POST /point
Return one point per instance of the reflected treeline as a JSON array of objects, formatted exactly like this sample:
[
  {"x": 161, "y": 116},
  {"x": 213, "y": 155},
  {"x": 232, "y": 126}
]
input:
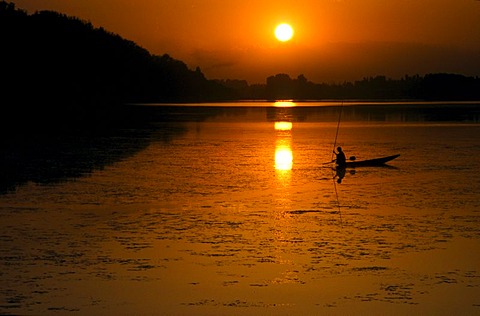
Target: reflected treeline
[
  {"x": 47, "y": 159},
  {"x": 308, "y": 112},
  {"x": 412, "y": 113},
  {"x": 181, "y": 113},
  {"x": 402, "y": 112}
]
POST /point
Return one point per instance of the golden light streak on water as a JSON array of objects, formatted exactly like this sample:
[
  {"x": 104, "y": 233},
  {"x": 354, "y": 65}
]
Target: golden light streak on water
[
  {"x": 283, "y": 126},
  {"x": 283, "y": 157},
  {"x": 284, "y": 104}
]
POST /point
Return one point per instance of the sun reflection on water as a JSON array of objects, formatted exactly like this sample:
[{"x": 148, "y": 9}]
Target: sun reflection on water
[
  {"x": 283, "y": 148},
  {"x": 283, "y": 126},
  {"x": 283, "y": 157}
]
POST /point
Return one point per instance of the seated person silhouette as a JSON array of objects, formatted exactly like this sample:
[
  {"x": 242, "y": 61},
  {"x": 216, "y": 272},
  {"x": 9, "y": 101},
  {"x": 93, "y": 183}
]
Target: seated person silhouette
[{"x": 341, "y": 160}]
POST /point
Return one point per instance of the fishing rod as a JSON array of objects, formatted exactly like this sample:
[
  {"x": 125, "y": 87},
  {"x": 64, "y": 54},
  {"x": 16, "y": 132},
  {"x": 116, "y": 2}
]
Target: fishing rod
[
  {"x": 338, "y": 202},
  {"x": 338, "y": 127}
]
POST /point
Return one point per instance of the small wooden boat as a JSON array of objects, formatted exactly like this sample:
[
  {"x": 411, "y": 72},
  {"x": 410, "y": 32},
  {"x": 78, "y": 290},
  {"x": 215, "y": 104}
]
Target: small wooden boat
[{"x": 370, "y": 162}]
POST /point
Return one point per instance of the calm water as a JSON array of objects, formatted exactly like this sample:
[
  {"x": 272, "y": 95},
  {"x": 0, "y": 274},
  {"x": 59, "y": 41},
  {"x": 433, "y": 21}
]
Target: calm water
[{"x": 232, "y": 211}]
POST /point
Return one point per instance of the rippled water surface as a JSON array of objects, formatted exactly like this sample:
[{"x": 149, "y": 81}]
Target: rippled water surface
[{"x": 233, "y": 211}]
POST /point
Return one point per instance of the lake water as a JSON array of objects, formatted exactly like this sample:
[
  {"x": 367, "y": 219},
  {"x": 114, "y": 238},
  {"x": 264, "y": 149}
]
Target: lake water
[{"x": 231, "y": 210}]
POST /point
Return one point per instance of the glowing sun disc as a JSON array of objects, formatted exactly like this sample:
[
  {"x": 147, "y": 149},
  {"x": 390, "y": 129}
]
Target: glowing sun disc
[{"x": 283, "y": 32}]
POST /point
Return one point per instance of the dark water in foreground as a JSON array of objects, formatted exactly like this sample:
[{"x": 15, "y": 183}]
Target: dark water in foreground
[{"x": 231, "y": 211}]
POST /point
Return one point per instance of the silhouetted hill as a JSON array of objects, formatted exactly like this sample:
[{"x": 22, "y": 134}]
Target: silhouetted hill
[{"x": 57, "y": 67}]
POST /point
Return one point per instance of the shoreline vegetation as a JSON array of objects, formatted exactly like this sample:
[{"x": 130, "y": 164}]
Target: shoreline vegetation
[{"x": 62, "y": 72}]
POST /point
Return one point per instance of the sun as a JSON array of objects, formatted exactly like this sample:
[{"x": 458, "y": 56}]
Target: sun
[{"x": 284, "y": 32}]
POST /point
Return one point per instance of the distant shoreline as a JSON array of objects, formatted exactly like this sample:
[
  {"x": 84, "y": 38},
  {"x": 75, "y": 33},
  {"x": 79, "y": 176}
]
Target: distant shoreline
[{"x": 309, "y": 103}]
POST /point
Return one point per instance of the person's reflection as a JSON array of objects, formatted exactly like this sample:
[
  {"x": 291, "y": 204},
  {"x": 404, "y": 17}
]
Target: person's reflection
[{"x": 340, "y": 174}]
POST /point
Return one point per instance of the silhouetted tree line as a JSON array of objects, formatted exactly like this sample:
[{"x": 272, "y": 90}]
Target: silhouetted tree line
[
  {"x": 429, "y": 87},
  {"x": 59, "y": 69}
]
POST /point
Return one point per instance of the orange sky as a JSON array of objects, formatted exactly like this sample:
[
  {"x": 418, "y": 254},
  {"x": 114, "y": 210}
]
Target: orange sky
[{"x": 335, "y": 40}]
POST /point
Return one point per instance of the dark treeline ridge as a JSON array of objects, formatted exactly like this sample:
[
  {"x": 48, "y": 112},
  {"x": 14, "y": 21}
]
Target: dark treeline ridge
[
  {"x": 61, "y": 71},
  {"x": 59, "y": 67},
  {"x": 431, "y": 87}
]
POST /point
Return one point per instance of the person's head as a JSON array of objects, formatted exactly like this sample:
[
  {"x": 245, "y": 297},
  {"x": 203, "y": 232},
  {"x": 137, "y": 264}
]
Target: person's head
[{"x": 339, "y": 149}]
